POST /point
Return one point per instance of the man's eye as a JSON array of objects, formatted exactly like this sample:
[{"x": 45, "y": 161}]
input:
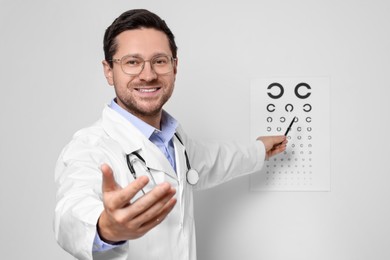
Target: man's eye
[
  {"x": 161, "y": 61},
  {"x": 132, "y": 62}
]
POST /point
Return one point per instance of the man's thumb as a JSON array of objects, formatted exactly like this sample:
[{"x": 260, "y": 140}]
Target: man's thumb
[{"x": 109, "y": 183}]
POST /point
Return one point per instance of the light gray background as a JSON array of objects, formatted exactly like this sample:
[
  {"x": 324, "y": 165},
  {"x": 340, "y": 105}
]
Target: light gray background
[{"x": 52, "y": 84}]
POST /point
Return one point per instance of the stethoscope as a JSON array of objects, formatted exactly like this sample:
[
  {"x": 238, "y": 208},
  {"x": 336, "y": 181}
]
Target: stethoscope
[{"x": 192, "y": 175}]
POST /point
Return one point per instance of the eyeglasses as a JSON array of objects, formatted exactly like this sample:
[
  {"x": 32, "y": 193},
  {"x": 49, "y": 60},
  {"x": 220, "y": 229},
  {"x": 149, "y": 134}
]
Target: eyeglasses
[{"x": 133, "y": 65}]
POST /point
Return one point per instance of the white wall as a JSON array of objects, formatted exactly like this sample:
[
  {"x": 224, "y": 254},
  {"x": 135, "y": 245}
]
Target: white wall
[{"x": 52, "y": 84}]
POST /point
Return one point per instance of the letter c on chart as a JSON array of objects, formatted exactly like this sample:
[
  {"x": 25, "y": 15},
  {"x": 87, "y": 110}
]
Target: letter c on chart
[
  {"x": 307, "y": 107},
  {"x": 289, "y": 108},
  {"x": 298, "y": 87},
  {"x": 280, "y": 93},
  {"x": 271, "y": 109}
]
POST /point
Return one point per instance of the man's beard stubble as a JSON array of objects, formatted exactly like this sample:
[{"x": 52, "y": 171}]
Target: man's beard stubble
[{"x": 132, "y": 106}]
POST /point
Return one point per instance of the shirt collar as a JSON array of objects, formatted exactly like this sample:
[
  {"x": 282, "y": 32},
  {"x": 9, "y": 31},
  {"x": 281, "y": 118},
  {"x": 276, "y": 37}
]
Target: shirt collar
[{"x": 168, "y": 123}]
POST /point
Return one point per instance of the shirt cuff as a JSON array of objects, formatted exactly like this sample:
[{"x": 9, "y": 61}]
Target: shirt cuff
[{"x": 99, "y": 245}]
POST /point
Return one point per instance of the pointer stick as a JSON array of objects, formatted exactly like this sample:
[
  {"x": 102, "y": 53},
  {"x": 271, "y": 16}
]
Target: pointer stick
[{"x": 289, "y": 127}]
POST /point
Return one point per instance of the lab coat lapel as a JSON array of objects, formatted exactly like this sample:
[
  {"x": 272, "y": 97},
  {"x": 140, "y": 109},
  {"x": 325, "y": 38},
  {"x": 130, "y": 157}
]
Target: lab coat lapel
[
  {"x": 155, "y": 159},
  {"x": 119, "y": 129}
]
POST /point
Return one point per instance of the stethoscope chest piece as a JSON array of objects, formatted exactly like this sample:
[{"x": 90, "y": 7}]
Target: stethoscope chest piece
[{"x": 192, "y": 176}]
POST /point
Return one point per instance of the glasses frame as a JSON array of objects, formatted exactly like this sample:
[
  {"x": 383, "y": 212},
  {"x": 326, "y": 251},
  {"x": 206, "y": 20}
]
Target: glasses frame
[{"x": 143, "y": 63}]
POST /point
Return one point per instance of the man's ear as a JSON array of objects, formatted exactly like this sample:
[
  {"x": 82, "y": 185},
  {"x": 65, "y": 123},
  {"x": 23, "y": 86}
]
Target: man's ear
[
  {"x": 108, "y": 73},
  {"x": 176, "y": 62}
]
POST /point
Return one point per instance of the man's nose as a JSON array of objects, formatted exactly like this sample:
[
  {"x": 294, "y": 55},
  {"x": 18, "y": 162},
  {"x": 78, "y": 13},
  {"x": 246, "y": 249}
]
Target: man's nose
[{"x": 147, "y": 73}]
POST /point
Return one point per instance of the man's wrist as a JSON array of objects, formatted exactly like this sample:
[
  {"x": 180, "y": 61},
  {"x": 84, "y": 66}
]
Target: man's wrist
[
  {"x": 102, "y": 238},
  {"x": 99, "y": 245}
]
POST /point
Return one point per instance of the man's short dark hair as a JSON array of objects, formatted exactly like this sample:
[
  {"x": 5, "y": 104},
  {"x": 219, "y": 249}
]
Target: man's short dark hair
[{"x": 130, "y": 20}]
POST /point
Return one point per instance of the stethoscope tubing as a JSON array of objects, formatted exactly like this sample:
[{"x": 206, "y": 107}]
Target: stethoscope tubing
[{"x": 192, "y": 176}]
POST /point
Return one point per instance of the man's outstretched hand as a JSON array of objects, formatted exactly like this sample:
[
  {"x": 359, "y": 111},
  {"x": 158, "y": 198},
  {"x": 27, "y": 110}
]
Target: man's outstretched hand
[{"x": 122, "y": 220}]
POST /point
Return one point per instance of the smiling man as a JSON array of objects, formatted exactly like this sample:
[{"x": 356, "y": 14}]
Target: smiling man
[
  {"x": 142, "y": 90},
  {"x": 125, "y": 184}
]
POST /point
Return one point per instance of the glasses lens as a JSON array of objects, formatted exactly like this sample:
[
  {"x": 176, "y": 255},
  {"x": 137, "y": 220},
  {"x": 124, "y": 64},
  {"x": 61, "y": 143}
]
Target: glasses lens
[
  {"x": 162, "y": 64},
  {"x": 132, "y": 65}
]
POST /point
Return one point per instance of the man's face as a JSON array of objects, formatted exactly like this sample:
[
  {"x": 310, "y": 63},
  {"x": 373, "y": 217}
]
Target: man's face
[{"x": 145, "y": 94}]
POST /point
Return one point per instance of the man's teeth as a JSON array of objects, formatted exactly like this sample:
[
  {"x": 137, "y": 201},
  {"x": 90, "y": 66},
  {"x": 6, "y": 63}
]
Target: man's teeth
[{"x": 147, "y": 89}]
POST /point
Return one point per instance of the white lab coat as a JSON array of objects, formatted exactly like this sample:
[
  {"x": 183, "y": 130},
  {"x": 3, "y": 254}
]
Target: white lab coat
[{"x": 79, "y": 182}]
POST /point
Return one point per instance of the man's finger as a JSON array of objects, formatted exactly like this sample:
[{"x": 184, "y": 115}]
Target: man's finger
[
  {"x": 124, "y": 196},
  {"x": 277, "y": 149},
  {"x": 150, "y": 208},
  {"x": 279, "y": 139},
  {"x": 146, "y": 226},
  {"x": 109, "y": 183},
  {"x": 270, "y": 142},
  {"x": 155, "y": 196}
]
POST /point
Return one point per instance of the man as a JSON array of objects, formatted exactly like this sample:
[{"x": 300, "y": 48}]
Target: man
[{"x": 125, "y": 184}]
